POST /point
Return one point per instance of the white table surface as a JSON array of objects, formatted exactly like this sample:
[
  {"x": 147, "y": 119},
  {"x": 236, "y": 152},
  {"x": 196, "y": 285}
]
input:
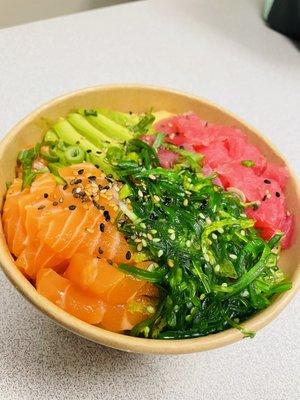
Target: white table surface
[{"x": 220, "y": 50}]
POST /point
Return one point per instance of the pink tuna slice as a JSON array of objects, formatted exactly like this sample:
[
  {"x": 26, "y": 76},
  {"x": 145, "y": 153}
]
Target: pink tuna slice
[{"x": 167, "y": 158}]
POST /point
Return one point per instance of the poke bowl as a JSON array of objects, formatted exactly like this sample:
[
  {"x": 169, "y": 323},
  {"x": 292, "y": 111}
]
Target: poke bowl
[{"x": 148, "y": 220}]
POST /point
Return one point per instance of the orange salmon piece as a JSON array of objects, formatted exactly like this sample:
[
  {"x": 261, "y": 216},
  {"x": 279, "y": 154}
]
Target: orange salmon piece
[{"x": 67, "y": 296}]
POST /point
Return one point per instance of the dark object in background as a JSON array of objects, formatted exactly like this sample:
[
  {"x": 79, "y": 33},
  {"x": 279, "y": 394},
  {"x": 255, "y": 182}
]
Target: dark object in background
[{"x": 283, "y": 16}]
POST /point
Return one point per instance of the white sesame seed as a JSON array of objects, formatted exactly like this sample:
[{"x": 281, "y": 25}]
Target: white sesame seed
[
  {"x": 151, "y": 267},
  {"x": 143, "y": 225},
  {"x": 172, "y": 236},
  {"x": 206, "y": 257},
  {"x": 221, "y": 230},
  {"x": 224, "y": 284},
  {"x": 149, "y": 236},
  {"x": 233, "y": 256},
  {"x": 139, "y": 247},
  {"x": 153, "y": 231},
  {"x": 217, "y": 268},
  {"x": 170, "y": 263},
  {"x": 156, "y": 199},
  {"x": 237, "y": 320},
  {"x": 188, "y": 243},
  {"x": 152, "y": 177},
  {"x": 170, "y": 230},
  {"x": 140, "y": 193},
  {"x": 156, "y": 240},
  {"x": 245, "y": 293},
  {"x": 160, "y": 253},
  {"x": 150, "y": 309},
  {"x": 202, "y": 216},
  {"x": 214, "y": 236},
  {"x": 185, "y": 202},
  {"x": 208, "y": 220},
  {"x": 243, "y": 233},
  {"x": 202, "y": 296},
  {"x": 144, "y": 243}
]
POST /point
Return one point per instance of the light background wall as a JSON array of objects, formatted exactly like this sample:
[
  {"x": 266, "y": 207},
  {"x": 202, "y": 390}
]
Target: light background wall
[{"x": 14, "y": 12}]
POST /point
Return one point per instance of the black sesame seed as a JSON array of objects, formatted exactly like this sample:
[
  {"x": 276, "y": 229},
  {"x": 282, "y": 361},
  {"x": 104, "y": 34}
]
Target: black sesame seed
[
  {"x": 98, "y": 152},
  {"x": 128, "y": 255},
  {"x": 92, "y": 178},
  {"x": 77, "y": 142},
  {"x": 110, "y": 262},
  {"x": 41, "y": 207},
  {"x": 97, "y": 166},
  {"x": 89, "y": 151},
  {"x": 203, "y": 204},
  {"x": 65, "y": 186},
  {"x": 264, "y": 198},
  {"x": 167, "y": 201},
  {"x": 72, "y": 207},
  {"x": 130, "y": 112},
  {"x": 80, "y": 171},
  {"x": 255, "y": 206},
  {"x": 100, "y": 251},
  {"x": 46, "y": 195},
  {"x": 277, "y": 194},
  {"x": 77, "y": 181},
  {"x": 267, "y": 181},
  {"x": 102, "y": 227},
  {"x": 55, "y": 203},
  {"x": 109, "y": 176},
  {"x": 153, "y": 216},
  {"x": 106, "y": 215},
  {"x": 97, "y": 205}
]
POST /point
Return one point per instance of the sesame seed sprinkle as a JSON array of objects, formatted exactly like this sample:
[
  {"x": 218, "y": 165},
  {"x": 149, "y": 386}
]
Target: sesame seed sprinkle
[
  {"x": 139, "y": 247},
  {"x": 172, "y": 236},
  {"x": 128, "y": 255},
  {"x": 160, "y": 253}
]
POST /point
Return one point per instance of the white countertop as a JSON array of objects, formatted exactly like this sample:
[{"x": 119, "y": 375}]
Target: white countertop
[{"x": 220, "y": 50}]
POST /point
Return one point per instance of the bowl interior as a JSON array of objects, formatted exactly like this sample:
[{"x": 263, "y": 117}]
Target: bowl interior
[{"x": 139, "y": 99}]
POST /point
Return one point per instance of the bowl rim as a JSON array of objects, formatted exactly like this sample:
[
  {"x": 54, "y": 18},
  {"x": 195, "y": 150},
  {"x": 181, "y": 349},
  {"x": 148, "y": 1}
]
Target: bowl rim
[{"x": 121, "y": 341}]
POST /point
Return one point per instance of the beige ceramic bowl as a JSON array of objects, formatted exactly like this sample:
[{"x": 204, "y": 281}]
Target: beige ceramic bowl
[{"x": 139, "y": 99}]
